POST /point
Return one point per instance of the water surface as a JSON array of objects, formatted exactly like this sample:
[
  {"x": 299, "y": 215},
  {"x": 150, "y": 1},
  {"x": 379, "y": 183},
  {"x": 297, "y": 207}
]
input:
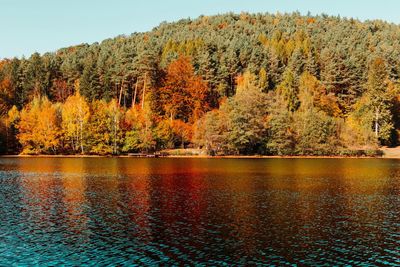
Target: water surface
[{"x": 124, "y": 211}]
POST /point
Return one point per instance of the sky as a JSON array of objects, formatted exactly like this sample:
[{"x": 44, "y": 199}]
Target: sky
[{"x": 28, "y": 26}]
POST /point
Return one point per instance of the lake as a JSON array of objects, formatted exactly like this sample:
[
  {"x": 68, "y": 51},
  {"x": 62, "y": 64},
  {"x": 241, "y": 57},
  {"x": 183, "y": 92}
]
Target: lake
[{"x": 127, "y": 211}]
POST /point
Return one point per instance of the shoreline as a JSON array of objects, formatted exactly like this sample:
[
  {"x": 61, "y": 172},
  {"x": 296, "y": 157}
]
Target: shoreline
[{"x": 200, "y": 157}]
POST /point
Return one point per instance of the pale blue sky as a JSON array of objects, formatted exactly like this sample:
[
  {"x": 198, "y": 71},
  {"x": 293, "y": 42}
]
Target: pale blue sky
[{"x": 27, "y": 26}]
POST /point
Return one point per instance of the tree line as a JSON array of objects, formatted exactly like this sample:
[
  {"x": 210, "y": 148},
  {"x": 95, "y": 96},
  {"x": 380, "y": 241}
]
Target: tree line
[{"x": 281, "y": 84}]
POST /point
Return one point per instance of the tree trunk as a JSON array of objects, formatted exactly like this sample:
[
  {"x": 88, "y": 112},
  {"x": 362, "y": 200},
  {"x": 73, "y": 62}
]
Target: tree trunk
[
  {"x": 376, "y": 122},
  {"x": 73, "y": 143},
  {"x": 134, "y": 96},
  {"x": 144, "y": 89},
  {"x": 115, "y": 135},
  {"x": 231, "y": 92},
  {"x": 120, "y": 95},
  {"x": 124, "y": 99},
  {"x": 7, "y": 144},
  {"x": 81, "y": 123}
]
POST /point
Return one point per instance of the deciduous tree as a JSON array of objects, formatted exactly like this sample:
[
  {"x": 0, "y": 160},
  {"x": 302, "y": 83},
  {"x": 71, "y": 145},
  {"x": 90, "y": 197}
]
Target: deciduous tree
[{"x": 75, "y": 117}]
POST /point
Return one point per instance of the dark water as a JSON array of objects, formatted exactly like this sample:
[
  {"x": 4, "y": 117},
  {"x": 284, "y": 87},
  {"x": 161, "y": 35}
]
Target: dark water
[{"x": 215, "y": 212}]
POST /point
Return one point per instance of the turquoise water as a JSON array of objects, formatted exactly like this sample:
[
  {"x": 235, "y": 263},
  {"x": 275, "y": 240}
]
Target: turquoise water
[{"x": 109, "y": 211}]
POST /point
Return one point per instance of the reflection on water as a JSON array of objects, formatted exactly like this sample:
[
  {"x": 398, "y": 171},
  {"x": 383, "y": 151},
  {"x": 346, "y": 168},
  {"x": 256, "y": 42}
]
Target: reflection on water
[{"x": 215, "y": 211}]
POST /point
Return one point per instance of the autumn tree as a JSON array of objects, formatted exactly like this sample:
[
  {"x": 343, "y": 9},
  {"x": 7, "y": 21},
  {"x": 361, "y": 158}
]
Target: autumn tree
[
  {"x": 379, "y": 99},
  {"x": 38, "y": 127},
  {"x": 165, "y": 135},
  {"x": 357, "y": 131},
  {"x": 115, "y": 114},
  {"x": 140, "y": 136},
  {"x": 281, "y": 135},
  {"x": 211, "y": 132},
  {"x": 247, "y": 116},
  {"x": 288, "y": 89},
  {"x": 11, "y": 123},
  {"x": 183, "y": 93},
  {"x": 75, "y": 117},
  {"x": 263, "y": 80},
  {"x": 313, "y": 94},
  {"x": 6, "y": 88},
  {"x": 104, "y": 128},
  {"x": 315, "y": 133}
]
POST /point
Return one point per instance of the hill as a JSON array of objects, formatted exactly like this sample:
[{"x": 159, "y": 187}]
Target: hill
[{"x": 233, "y": 83}]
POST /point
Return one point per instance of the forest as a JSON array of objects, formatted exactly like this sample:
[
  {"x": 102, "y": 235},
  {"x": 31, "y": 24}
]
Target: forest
[{"x": 232, "y": 84}]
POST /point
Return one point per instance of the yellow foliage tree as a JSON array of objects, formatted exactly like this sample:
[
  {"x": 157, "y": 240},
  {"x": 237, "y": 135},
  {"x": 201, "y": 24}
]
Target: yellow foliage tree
[
  {"x": 75, "y": 116},
  {"x": 140, "y": 136},
  {"x": 104, "y": 127},
  {"x": 312, "y": 93},
  {"x": 115, "y": 115},
  {"x": 39, "y": 130}
]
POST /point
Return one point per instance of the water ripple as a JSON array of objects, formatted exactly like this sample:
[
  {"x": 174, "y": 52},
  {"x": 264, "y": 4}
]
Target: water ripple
[{"x": 68, "y": 212}]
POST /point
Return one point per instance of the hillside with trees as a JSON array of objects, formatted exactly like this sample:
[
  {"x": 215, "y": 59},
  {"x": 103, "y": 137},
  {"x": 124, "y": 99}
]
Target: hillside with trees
[{"x": 281, "y": 84}]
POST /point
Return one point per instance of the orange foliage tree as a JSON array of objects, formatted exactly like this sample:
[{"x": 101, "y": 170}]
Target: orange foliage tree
[
  {"x": 184, "y": 92},
  {"x": 6, "y": 90}
]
